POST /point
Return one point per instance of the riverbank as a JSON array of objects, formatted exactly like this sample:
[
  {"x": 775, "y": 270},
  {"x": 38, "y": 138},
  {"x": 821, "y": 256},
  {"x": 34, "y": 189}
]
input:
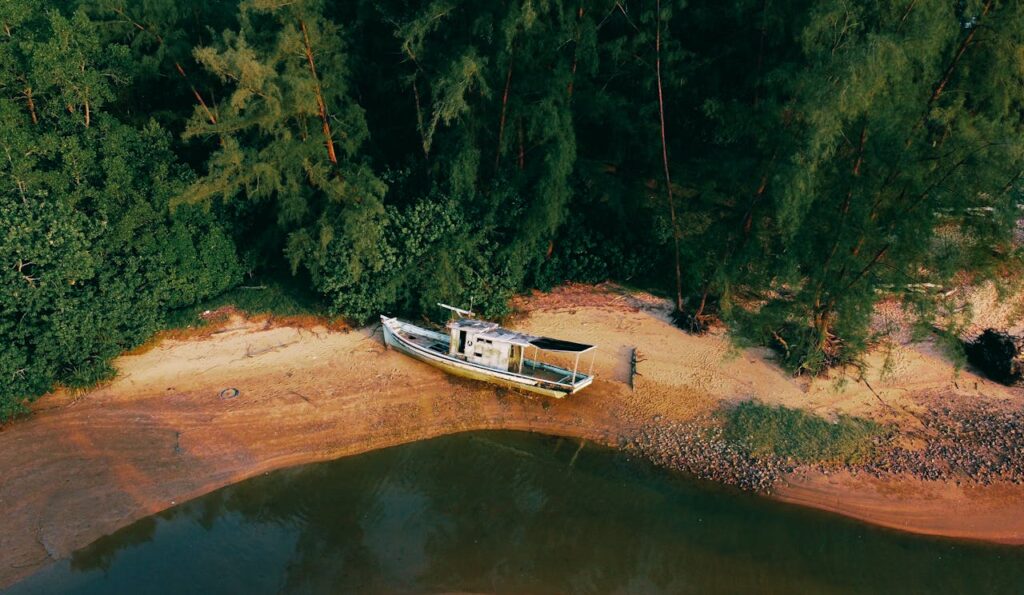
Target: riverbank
[{"x": 169, "y": 428}]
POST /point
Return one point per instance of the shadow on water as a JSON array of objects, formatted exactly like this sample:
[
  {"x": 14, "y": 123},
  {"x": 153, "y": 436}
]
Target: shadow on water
[{"x": 511, "y": 512}]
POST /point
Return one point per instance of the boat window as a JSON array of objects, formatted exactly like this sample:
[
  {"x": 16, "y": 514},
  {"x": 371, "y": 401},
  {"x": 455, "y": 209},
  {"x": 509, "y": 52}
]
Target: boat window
[{"x": 462, "y": 341}]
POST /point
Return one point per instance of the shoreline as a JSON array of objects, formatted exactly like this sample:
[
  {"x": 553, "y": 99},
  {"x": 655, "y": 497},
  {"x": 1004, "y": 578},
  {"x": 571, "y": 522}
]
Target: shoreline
[
  {"x": 86, "y": 465},
  {"x": 981, "y": 514}
]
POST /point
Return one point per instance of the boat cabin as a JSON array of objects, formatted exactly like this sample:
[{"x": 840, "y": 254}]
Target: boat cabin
[{"x": 487, "y": 344}]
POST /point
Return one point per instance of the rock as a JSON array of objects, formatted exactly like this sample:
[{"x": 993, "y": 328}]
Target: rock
[{"x": 998, "y": 355}]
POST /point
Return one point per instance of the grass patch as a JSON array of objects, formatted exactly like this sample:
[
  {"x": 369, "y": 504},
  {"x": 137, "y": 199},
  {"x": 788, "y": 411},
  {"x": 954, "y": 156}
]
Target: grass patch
[{"x": 803, "y": 437}]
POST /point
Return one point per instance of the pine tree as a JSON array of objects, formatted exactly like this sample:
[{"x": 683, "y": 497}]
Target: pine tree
[
  {"x": 290, "y": 135},
  {"x": 899, "y": 140}
]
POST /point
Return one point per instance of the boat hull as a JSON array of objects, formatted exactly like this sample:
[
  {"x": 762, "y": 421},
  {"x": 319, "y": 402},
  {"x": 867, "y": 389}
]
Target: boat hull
[{"x": 466, "y": 370}]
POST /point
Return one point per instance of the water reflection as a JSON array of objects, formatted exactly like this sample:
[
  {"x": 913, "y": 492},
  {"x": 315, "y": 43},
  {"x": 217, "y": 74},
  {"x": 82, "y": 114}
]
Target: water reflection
[{"x": 509, "y": 512}]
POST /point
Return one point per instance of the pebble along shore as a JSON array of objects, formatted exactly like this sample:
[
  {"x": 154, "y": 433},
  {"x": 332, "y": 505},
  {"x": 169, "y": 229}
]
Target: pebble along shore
[
  {"x": 698, "y": 449},
  {"x": 963, "y": 445},
  {"x": 966, "y": 445}
]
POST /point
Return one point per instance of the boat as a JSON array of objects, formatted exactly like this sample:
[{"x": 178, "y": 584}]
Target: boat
[{"x": 482, "y": 350}]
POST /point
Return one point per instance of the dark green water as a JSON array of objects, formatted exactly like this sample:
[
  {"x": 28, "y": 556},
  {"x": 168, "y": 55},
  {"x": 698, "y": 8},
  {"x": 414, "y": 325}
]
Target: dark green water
[{"x": 511, "y": 512}]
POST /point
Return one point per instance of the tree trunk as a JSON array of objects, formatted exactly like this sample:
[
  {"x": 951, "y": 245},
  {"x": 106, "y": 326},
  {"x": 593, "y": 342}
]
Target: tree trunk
[
  {"x": 748, "y": 220},
  {"x": 823, "y": 328},
  {"x": 181, "y": 71},
  {"x": 844, "y": 209},
  {"x": 906, "y": 13},
  {"x": 419, "y": 115},
  {"x": 31, "y": 105},
  {"x": 703, "y": 302},
  {"x": 416, "y": 98},
  {"x": 868, "y": 267},
  {"x": 575, "y": 50},
  {"x": 195, "y": 93},
  {"x": 947, "y": 75},
  {"x": 321, "y": 106},
  {"x": 760, "y": 52},
  {"x": 504, "y": 112},
  {"x": 138, "y": 25},
  {"x": 956, "y": 58},
  {"x": 664, "y": 161},
  {"x": 522, "y": 148}
]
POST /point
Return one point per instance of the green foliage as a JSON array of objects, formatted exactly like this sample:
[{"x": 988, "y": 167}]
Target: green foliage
[
  {"x": 389, "y": 154},
  {"x": 800, "y": 436},
  {"x": 289, "y": 135},
  {"x": 890, "y": 165},
  {"x": 275, "y": 296},
  {"x": 92, "y": 255}
]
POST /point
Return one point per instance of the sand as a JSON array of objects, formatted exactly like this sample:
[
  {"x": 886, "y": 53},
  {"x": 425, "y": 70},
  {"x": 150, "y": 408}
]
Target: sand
[{"x": 163, "y": 431}]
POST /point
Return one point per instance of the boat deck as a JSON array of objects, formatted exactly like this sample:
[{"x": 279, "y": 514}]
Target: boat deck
[
  {"x": 530, "y": 368},
  {"x": 428, "y": 342}
]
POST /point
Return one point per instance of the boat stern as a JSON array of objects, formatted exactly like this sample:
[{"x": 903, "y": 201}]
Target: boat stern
[{"x": 581, "y": 384}]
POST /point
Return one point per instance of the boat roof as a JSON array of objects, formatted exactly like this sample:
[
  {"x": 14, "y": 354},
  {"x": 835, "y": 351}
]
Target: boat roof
[
  {"x": 549, "y": 344},
  {"x": 480, "y": 325},
  {"x": 491, "y": 330}
]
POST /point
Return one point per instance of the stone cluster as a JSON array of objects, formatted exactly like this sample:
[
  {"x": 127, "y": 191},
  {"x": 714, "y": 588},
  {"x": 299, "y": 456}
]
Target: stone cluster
[
  {"x": 698, "y": 449},
  {"x": 966, "y": 444}
]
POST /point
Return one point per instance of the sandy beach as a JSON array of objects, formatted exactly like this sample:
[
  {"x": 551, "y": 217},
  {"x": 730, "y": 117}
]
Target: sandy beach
[{"x": 167, "y": 430}]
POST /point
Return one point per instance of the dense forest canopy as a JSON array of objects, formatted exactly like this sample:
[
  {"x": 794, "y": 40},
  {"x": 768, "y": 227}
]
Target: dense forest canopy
[{"x": 780, "y": 165}]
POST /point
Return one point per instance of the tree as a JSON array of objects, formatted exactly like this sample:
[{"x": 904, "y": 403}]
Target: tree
[
  {"x": 290, "y": 134},
  {"x": 93, "y": 256},
  {"x": 896, "y": 146}
]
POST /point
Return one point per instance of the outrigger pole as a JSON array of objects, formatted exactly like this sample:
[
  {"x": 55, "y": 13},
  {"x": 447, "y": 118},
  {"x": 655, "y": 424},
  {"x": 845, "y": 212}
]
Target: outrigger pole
[{"x": 459, "y": 311}]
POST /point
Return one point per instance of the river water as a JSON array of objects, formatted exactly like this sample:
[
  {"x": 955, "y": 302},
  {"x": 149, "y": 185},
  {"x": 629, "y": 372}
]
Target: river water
[{"x": 511, "y": 512}]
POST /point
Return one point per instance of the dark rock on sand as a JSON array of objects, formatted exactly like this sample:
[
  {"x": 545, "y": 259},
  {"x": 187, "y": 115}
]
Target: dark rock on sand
[{"x": 998, "y": 355}]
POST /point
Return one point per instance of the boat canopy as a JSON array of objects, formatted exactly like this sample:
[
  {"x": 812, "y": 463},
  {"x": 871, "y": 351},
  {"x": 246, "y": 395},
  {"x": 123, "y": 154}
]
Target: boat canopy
[
  {"x": 493, "y": 332},
  {"x": 549, "y": 344}
]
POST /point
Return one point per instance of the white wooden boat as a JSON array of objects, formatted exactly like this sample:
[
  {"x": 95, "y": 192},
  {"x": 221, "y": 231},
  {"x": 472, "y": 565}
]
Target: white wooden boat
[{"x": 483, "y": 350}]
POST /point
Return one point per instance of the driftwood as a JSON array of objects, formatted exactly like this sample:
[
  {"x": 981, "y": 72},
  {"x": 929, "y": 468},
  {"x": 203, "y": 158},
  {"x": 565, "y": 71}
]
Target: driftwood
[{"x": 634, "y": 359}]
